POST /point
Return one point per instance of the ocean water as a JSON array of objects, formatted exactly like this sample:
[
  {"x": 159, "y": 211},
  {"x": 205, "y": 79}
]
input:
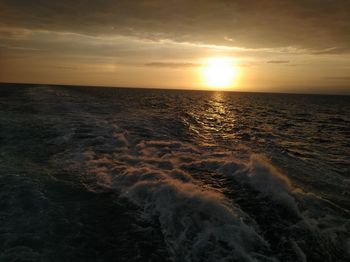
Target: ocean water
[{"x": 113, "y": 174}]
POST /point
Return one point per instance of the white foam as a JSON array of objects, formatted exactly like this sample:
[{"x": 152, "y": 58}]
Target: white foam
[
  {"x": 197, "y": 221},
  {"x": 265, "y": 178},
  {"x": 197, "y": 224}
]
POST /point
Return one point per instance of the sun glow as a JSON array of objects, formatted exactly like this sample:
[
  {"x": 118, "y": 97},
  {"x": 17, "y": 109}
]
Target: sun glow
[{"x": 220, "y": 72}]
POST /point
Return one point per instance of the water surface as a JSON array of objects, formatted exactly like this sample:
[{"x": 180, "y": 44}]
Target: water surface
[{"x": 105, "y": 174}]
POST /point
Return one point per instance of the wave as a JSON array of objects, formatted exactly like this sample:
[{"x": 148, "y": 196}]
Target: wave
[{"x": 202, "y": 197}]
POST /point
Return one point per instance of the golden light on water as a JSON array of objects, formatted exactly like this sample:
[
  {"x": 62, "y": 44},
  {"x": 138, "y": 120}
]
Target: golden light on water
[{"x": 220, "y": 72}]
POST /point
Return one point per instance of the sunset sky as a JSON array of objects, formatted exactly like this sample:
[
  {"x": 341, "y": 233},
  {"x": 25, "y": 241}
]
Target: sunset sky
[{"x": 264, "y": 45}]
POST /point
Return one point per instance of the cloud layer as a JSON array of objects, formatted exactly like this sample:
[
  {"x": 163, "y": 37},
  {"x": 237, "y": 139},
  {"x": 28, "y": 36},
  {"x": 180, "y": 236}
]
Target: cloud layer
[
  {"x": 318, "y": 25},
  {"x": 172, "y": 64},
  {"x": 278, "y": 62}
]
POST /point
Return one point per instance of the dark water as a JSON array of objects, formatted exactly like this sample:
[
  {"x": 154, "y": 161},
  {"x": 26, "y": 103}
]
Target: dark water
[{"x": 102, "y": 174}]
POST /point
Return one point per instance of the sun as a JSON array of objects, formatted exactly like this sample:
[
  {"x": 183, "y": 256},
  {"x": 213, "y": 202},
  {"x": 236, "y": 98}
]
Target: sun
[{"x": 220, "y": 72}]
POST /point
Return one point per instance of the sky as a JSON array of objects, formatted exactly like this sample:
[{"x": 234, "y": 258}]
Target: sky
[{"x": 300, "y": 46}]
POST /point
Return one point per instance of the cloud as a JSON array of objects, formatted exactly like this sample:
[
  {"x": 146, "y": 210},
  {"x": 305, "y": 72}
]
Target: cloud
[
  {"x": 278, "y": 62},
  {"x": 172, "y": 64},
  {"x": 340, "y": 78},
  {"x": 114, "y": 47},
  {"x": 331, "y": 51},
  {"x": 307, "y": 24}
]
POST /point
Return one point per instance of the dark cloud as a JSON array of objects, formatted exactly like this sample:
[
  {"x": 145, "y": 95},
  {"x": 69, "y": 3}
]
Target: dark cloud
[
  {"x": 278, "y": 62},
  {"x": 340, "y": 78},
  {"x": 171, "y": 64},
  {"x": 308, "y": 24},
  {"x": 67, "y": 67}
]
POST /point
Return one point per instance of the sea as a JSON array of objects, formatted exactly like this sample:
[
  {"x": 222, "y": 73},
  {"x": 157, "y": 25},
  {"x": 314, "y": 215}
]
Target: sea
[{"x": 122, "y": 174}]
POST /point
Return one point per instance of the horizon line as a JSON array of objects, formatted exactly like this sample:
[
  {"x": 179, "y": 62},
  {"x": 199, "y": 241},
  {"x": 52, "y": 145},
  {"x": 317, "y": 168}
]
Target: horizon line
[{"x": 176, "y": 89}]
